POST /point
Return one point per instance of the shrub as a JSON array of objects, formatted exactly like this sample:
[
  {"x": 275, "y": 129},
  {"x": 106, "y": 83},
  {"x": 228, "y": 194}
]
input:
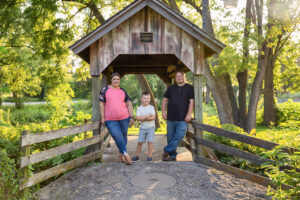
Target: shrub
[
  {"x": 289, "y": 177},
  {"x": 289, "y": 114}
]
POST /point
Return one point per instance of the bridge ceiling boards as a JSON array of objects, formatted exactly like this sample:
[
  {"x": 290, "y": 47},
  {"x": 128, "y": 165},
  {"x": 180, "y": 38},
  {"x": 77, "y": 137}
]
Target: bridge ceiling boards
[{"x": 165, "y": 33}]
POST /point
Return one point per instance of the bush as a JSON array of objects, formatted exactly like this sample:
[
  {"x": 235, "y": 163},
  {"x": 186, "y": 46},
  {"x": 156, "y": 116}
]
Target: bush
[
  {"x": 289, "y": 177},
  {"x": 289, "y": 114}
]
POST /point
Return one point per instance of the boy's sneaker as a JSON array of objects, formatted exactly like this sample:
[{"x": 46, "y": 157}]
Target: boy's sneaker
[
  {"x": 149, "y": 159},
  {"x": 135, "y": 159}
]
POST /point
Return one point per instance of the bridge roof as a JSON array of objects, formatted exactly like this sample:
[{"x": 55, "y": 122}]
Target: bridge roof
[{"x": 81, "y": 47}]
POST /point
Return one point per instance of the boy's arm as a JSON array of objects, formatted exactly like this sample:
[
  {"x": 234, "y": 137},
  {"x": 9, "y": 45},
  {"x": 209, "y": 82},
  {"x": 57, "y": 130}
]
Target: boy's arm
[
  {"x": 140, "y": 118},
  {"x": 149, "y": 118}
]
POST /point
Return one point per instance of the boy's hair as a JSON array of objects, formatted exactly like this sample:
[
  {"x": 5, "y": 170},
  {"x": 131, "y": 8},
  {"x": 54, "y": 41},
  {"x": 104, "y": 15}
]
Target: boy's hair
[{"x": 145, "y": 93}]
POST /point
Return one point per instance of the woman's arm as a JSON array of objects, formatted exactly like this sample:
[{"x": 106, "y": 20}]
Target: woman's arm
[
  {"x": 102, "y": 105},
  {"x": 130, "y": 109}
]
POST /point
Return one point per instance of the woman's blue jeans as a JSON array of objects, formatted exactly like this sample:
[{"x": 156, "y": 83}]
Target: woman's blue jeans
[
  {"x": 175, "y": 133},
  {"x": 118, "y": 130}
]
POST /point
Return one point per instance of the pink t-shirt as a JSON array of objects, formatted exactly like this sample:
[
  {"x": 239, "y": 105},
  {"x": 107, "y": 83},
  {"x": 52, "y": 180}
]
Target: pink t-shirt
[{"x": 115, "y": 103}]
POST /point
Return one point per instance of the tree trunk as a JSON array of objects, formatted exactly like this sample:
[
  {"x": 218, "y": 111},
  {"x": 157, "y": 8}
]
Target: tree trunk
[
  {"x": 17, "y": 100},
  {"x": 220, "y": 95},
  {"x": 242, "y": 75},
  {"x": 232, "y": 98},
  {"x": 146, "y": 88},
  {"x": 242, "y": 78},
  {"x": 218, "y": 90},
  {"x": 263, "y": 56},
  {"x": 269, "y": 103},
  {"x": 207, "y": 96},
  {"x": 0, "y": 99}
]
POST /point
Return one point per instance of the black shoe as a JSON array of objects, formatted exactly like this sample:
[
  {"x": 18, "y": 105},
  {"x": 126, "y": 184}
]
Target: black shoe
[
  {"x": 165, "y": 156},
  {"x": 171, "y": 159},
  {"x": 135, "y": 159}
]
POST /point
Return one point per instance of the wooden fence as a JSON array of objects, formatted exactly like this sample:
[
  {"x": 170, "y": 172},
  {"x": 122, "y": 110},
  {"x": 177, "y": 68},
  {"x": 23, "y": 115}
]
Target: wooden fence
[
  {"x": 28, "y": 139},
  {"x": 191, "y": 140}
]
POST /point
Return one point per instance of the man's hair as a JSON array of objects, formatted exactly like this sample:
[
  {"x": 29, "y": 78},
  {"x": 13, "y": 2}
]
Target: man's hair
[{"x": 145, "y": 93}]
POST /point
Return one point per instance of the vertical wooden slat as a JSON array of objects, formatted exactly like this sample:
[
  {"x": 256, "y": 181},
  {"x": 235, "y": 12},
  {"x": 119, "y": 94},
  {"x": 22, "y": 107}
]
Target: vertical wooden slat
[
  {"x": 187, "y": 50},
  {"x": 154, "y": 26},
  {"x": 105, "y": 51},
  {"x": 93, "y": 59},
  {"x": 136, "y": 25},
  {"x": 171, "y": 35},
  {"x": 199, "y": 58},
  {"x": 120, "y": 37},
  {"x": 26, "y": 152}
]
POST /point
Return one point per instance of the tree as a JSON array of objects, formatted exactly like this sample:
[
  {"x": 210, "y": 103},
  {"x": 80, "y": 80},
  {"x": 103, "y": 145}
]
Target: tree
[
  {"x": 283, "y": 22},
  {"x": 222, "y": 91}
]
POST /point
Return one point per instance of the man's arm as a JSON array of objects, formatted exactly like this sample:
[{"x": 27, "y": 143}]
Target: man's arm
[
  {"x": 188, "y": 117},
  {"x": 164, "y": 105}
]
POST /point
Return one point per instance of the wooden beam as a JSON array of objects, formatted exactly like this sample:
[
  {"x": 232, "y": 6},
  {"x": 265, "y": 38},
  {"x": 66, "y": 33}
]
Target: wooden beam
[
  {"x": 239, "y": 137},
  {"x": 51, "y": 135},
  {"x": 56, "y": 151},
  {"x": 233, "y": 151},
  {"x": 54, "y": 171},
  {"x": 238, "y": 172}
]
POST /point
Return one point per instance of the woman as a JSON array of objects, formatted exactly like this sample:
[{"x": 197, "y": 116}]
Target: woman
[{"x": 116, "y": 114}]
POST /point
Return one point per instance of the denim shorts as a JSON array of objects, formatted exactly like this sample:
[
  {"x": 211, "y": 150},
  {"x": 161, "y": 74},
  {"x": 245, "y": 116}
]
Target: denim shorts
[{"x": 146, "y": 135}]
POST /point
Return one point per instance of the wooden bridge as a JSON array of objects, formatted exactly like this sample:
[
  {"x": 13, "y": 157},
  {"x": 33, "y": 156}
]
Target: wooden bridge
[{"x": 191, "y": 172}]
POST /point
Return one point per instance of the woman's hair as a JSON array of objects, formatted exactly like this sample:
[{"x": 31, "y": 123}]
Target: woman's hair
[{"x": 115, "y": 74}]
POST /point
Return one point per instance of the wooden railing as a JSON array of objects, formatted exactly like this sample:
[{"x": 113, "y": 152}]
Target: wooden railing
[
  {"x": 191, "y": 140},
  {"x": 28, "y": 139}
]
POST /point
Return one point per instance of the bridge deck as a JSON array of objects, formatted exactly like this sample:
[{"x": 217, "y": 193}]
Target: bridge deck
[{"x": 161, "y": 180}]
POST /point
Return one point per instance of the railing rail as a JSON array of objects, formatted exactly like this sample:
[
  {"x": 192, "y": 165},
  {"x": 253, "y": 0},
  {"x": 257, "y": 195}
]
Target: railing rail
[
  {"x": 190, "y": 136},
  {"x": 28, "y": 159}
]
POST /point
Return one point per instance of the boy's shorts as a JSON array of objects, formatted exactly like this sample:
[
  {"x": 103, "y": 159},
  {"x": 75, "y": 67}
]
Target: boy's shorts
[{"x": 146, "y": 134}]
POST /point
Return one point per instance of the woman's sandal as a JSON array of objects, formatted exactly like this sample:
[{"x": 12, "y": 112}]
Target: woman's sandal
[
  {"x": 127, "y": 159},
  {"x": 121, "y": 158}
]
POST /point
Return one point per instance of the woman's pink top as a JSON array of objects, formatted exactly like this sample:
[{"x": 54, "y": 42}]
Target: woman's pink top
[{"x": 115, "y": 103}]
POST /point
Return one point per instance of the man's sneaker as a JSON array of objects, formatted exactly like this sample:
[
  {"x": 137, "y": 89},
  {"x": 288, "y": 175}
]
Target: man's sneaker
[
  {"x": 172, "y": 159},
  {"x": 135, "y": 159},
  {"x": 149, "y": 159},
  {"x": 165, "y": 156}
]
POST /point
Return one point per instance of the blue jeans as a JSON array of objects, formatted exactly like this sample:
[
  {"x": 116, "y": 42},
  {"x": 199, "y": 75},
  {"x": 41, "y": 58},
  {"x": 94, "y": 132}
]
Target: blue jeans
[
  {"x": 175, "y": 133},
  {"x": 118, "y": 130}
]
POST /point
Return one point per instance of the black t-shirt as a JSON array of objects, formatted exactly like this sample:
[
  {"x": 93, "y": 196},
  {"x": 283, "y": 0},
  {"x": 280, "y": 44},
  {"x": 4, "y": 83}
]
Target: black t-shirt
[{"x": 179, "y": 101}]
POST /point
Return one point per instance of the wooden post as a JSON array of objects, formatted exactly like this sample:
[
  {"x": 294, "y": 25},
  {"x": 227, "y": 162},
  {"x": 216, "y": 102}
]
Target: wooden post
[
  {"x": 96, "y": 87},
  {"x": 26, "y": 152},
  {"x": 198, "y": 90}
]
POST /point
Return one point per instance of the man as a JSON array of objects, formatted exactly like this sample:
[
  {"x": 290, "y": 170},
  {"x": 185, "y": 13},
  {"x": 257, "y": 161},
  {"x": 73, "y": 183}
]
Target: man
[{"x": 179, "y": 98}]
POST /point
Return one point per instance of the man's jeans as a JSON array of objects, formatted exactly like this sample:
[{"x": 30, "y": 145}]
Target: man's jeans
[
  {"x": 175, "y": 133},
  {"x": 118, "y": 130}
]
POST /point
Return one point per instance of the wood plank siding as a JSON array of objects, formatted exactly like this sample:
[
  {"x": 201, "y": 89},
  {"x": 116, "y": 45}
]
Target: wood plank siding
[{"x": 168, "y": 39}]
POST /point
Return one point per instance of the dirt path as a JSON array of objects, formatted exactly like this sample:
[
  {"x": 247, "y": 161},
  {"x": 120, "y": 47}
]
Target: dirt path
[{"x": 111, "y": 153}]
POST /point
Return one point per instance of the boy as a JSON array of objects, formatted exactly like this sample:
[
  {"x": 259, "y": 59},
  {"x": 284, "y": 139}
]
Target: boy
[{"x": 146, "y": 115}]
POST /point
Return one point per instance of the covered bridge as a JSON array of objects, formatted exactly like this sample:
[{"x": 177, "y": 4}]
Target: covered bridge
[{"x": 146, "y": 37}]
